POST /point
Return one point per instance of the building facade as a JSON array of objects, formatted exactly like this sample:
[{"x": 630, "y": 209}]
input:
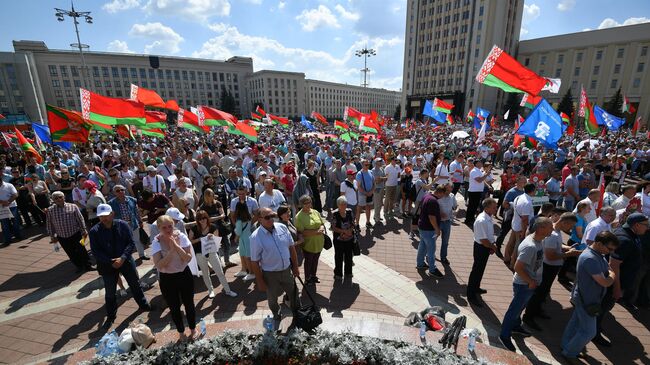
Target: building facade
[
  {"x": 54, "y": 77},
  {"x": 445, "y": 45},
  {"x": 600, "y": 60},
  {"x": 330, "y": 99},
  {"x": 278, "y": 92}
]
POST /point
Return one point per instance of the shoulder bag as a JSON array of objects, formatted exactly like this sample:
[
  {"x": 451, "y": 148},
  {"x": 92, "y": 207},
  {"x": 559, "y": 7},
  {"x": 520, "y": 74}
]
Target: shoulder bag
[
  {"x": 307, "y": 317},
  {"x": 327, "y": 243}
]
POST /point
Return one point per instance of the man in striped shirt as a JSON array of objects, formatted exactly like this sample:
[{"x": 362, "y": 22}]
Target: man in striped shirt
[{"x": 65, "y": 225}]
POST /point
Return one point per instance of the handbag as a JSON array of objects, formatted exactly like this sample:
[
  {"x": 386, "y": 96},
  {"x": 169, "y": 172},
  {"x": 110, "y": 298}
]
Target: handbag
[
  {"x": 327, "y": 243},
  {"x": 356, "y": 249},
  {"x": 307, "y": 317}
]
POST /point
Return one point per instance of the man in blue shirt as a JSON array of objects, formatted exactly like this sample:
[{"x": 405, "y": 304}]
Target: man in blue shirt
[
  {"x": 274, "y": 262},
  {"x": 111, "y": 242},
  {"x": 366, "y": 183}
]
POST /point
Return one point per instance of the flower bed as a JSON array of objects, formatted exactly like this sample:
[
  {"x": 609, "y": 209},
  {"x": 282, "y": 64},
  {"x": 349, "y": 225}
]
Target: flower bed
[{"x": 296, "y": 347}]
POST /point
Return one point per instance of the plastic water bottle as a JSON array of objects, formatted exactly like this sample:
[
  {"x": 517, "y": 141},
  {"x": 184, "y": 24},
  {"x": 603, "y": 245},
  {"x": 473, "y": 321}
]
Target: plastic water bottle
[
  {"x": 268, "y": 323},
  {"x": 471, "y": 342},
  {"x": 202, "y": 327},
  {"x": 57, "y": 247},
  {"x": 423, "y": 332}
]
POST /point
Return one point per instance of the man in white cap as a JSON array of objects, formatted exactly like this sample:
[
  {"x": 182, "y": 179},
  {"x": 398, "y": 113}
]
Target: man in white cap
[
  {"x": 177, "y": 216},
  {"x": 111, "y": 242}
]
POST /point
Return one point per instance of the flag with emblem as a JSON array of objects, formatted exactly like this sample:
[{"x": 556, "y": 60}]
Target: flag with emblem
[
  {"x": 586, "y": 111},
  {"x": 67, "y": 125},
  {"x": 146, "y": 97},
  {"x": 111, "y": 111},
  {"x": 544, "y": 124}
]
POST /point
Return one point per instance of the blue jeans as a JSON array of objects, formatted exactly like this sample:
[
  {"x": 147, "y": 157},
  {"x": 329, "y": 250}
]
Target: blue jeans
[
  {"x": 445, "y": 232},
  {"x": 427, "y": 246},
  {"x": 8, "y": 228},
  {"x": 578, "y": 332},
  {"x": 130, "y": 273},
  {"x": 512, "y": 319}
]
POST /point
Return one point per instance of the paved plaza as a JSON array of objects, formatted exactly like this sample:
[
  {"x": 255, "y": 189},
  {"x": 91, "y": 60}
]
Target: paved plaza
[{"x": 47, "y": 312}]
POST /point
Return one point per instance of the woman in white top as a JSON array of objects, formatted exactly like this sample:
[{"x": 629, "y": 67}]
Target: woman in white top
[
  {"x": 172, "y": 251},
  {"x": 184, "y": 192}
]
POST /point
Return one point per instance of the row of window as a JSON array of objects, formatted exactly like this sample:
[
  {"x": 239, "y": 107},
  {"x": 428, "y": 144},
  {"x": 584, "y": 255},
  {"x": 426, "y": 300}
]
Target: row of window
[
  {"x": 620, "y": 53},
  {"x": 424, "y": 85},
  {"x": 640, "y": 67}
]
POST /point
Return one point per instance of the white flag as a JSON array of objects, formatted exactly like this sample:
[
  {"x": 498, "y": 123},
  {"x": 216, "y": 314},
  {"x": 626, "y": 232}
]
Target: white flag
[
  {"x": 481, "y": 133},
  {"x": 552, "y": 85},
  {"x": 505, "y": 116}
]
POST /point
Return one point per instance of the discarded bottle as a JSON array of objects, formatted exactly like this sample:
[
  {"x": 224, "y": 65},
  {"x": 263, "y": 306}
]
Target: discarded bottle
[
  {"x": 57, "y": 247},
  {"x": 202, "y": 327},
  {"x": 471, "y": 342},
  {"x": 423, "y": 332},
  {"x": 268, "y": 323}
]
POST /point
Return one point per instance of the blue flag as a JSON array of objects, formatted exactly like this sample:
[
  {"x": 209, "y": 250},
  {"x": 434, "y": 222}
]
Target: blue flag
[
  {"x": 437, "y": 115},
  {"x": 612, "y": 122},
  {"x": 307, "y": 123},
  {"x": 481, "y": 117},
  {"x": 544, "y": 124},
  {"x": 43, "y": 132}
]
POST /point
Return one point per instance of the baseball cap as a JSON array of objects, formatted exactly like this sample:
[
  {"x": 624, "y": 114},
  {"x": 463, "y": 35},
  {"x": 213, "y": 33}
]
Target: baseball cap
[
  {"x": 635, "y": 218},
  {"x": 175, "y": 214},
  {"x": 150, "y": 168},
  {"x": 104, "y": 210},
  {"x": 350, "y": 172}
]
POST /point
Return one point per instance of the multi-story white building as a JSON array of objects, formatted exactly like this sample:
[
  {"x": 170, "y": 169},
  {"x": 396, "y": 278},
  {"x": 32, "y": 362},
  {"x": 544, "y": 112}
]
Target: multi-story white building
[
  {"x": 55, "y": 76},
  {"x": 278, "y": 92},
  {"x": 446, "y": 43},
  {"x": 600, "y": 60}
]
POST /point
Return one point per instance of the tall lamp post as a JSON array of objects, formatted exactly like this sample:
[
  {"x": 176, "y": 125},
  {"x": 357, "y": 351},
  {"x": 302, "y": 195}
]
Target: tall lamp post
[
  {"x": 365, "y": 53},
  {"x": 60, "y": 16}
]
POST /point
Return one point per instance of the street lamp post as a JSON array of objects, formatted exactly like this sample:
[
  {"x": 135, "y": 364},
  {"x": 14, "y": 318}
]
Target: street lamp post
[
  {"x": 365, "y": 53},
  {"x": 60, "y": 16}
]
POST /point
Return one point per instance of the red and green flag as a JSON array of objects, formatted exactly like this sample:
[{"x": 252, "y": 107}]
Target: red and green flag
[
  {"x": 188, "y": 120},
  {"x": 450, "y": 119},
  {"x": 111, "y": 111},
  {"x": 156, "y": 132},
  {"x": 27, "y": 147},
  {"x": 586, "y": 110},
  {"x": 146, "y": 97},
  {"x": 261, "y": 111},
  {"x": 565, "y": 118},
  {"x": 441, "y": 106},
  {"x": 155, "y": 120},
  {"x": 369, "y": 126},
  {"x": 172, "y": 105},
  {"x": 212, "y": 117},
  {"x": 341, "y": 126},
  {"x": 530, "y": 101},
  {"x": 470, "y": 115},
  {"x": 243, "y": 129},
  {"x": 256, "y": 116},
  {"x": 67, "y": 125},
  {"x": 502, "y": 71},
  {"x": 319, "y": 117},
  {"x": 278, "y": 120},
  {"x": 352, "y": 115},
  {"x": 126, "y": 131},
  {"x": 627, "y": 107},
  {"x": 636, "y": 126}
]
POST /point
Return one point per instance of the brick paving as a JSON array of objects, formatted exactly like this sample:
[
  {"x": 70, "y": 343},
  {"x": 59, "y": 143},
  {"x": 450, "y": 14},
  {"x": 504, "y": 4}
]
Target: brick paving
[{"x": 47, "y": 309}]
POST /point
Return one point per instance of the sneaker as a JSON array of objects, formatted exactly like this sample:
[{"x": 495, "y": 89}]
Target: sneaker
[
  {"x": 436, "y": 274},
  {"x": 249, "y": 277},
  {"x": 211, "y": 294},
  {"x": 230, "y": 293},
  {"x": 520, "y": 331},
  {"x": 241, "y": 274},
  {"x": 507, "y": 343}
]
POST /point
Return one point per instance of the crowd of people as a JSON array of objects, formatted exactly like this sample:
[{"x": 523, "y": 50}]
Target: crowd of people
[{"x": 272, "y": 202}]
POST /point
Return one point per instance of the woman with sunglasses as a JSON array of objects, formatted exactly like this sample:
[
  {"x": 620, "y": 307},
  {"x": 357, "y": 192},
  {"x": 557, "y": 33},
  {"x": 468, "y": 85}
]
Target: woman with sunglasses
[
  {"x": 204, "y": 228},
  {"x": 172, "y": 252},
  {"x": 309, "y": 224}
]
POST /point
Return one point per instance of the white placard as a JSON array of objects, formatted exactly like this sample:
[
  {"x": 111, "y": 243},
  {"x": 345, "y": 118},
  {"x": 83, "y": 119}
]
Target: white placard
[
  {"x": 416, "y": 175},
  {"x": 538, "y": 201},
  {"x": 210, "y": 244}
]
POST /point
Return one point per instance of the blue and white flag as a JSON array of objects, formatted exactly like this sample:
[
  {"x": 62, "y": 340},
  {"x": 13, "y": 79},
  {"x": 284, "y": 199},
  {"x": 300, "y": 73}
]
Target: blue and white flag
[
  {"x": 544, "y": 124},
  {"x": 481, "y": 118},
  {"x": 437, "y": 115},
  {"x": 612, "y": 122},
  {"x": 43, "y": 132},
  {"x": 307, "y": 124}
]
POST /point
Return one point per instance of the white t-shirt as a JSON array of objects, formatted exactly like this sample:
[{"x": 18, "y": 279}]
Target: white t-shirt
[
  {"x": 175, "y": 265},
  {"x": 392, "y": 175},
  {"x": 475, "y": 186},
  {"x": 593, "y": 228},
  {"x": 523, "y": 206},
  {"x": 6, "y": 191},
  {"x": 154, "y": 184},
  {"x": 591, "y": 216},
  {"x": 456, "y": 171},
  {"x": 272, "y": 201},
  {"x": 483, "y": 228},
  {"x": 350, "y": 194},
  {"x": 442, "y": 172}
]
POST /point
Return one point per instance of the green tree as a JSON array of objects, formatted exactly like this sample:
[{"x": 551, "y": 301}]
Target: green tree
[
  {"x": 228, "y": 103},
  {"x": 398, "y": 112},
  {"x": 614, "y": 105},
  {"x": 566, "y": 104}
]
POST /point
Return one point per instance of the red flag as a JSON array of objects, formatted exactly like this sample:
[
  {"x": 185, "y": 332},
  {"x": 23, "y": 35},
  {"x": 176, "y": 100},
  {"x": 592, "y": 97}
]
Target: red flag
[
  {"x": 189, "y": 120},
  {"x": 601, "y": 187},
  {"x": 635, "y": 127},
  {"x": 493, "y": 122},
  {"x": 146, "y": 97},
  {"x": 340, "y": 125},
  {"x": 244, "y": 129},
  {"x": 279, "y": 120},
  {"x": 155, "y": 119},
  {"x": 111, "y": 111},
  {"x": 67, "y": 125},
  {"x": 172, "y": 105},
  {"x": 27, "y": 147},
  {"x": 319, "y": 117},
  {"x": 215, "y": 117},
  {"x": 256, "y": 116},
  {"x": 260, "y": 110},
  {"x": 502, "y": 71},
  {"x": 2, "y": 116}
]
